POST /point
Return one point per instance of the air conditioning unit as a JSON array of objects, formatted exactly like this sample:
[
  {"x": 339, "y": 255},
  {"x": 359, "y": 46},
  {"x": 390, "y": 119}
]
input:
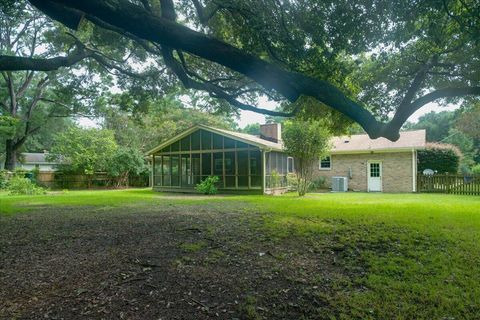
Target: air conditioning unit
[{"x": 339, "y": 184}]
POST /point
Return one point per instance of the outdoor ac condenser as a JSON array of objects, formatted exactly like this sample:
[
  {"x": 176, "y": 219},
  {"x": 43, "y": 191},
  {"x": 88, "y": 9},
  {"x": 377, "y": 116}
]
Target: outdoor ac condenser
[{"x": 339, "y": 184}]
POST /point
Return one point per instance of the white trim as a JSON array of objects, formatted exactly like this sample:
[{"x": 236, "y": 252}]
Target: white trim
[
  {"x": 293, "y": 165},
  {"x": 414, "y": 170},
  {"x": 320, "y": 163}
]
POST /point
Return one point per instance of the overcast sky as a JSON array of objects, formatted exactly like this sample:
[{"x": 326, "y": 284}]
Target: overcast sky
[{"x": 249, "y": 117}]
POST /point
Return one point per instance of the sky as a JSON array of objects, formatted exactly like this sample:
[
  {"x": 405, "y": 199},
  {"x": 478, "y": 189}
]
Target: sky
[{"x": 249, "y": 117}]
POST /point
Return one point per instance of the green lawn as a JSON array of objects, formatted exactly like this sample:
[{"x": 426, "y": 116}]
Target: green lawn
[{"x": 404, "y": 256}]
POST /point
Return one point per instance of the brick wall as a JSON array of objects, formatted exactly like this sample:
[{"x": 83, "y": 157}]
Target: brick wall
[{"x": 397, "y": 170}]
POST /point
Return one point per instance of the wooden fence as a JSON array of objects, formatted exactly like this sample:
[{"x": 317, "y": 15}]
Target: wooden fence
[
  {"x": 59, "y": 180},
  {"x": 449, "y": 183}
]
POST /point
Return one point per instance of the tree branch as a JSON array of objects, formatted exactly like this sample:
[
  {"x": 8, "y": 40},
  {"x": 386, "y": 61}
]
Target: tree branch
[
  {"x": 135, "y": 20},
  {"x": 11, "y": 63},
  {"x": 402, "y": 115}
]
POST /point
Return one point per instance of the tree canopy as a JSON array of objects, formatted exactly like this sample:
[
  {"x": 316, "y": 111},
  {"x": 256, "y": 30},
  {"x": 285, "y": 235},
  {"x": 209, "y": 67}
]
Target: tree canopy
[{"x": 372, "y": 61}]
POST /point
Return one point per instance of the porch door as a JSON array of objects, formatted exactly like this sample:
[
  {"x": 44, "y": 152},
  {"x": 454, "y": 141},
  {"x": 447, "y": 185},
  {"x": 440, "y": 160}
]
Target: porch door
[{"x": 374, "y": 176}]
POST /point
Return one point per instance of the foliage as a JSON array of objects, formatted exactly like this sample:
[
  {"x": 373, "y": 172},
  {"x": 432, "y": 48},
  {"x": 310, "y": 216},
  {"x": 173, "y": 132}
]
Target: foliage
[
  {"x": 476, "y": 169},
  {"x": 39, "y": 101},
  {"x": 18, "y": 185},
  {"x": 84, "y": 150},
  {"x": 4, "y": 177},
  {"x": 458, "y": 128},
  {"x": 306, "y": 141},
  {"x": 437, "y": 125},
  {"x": 440, "y": 158},
  {"x": 8, "y": 126},
  {"x": 208, "y": 185},
  {"x": 318, "y": 183},
  {"x": 275, "y": 179},
  {"x": 253, "y": 128},
  {"x": 162, "y": 119},
  {"x": 126, "y": 162}
]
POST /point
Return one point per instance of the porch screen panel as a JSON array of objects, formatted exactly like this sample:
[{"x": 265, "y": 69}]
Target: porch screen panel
[
  {"x": 175, "y": 170},
  {"x": 195, "y": 140},
  {"x": 206, "y": 164},
  {"x": 206, "y": 137},
  {"x": 185, "y": 144},
  {"x": 186, "y": 173},
  {"x": 217, "y": 141},
  {"x": 230, "y": 170},
  {"x": 228, "y": 143},
  {"x": 157, "y": 171},
  {"x": 255, "y": 169},
  {"x": 242, "y": 158},
  {"x": 218, "y": 167},
  {"x": 166, "y": 178},
  {"x": 196, "y": 168}
]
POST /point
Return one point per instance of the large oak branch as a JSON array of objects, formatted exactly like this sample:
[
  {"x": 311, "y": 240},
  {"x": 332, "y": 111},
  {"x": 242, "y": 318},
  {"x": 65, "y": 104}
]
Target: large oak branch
[
  {"x": 11, "y": 63},
  {"x": 134, "y": 19}
]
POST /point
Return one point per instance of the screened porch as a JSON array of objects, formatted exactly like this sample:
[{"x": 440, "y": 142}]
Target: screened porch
[{"x": 185, "y": 162}]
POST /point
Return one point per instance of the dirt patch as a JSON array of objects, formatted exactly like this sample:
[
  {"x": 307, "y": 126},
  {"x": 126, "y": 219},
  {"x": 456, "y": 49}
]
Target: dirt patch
[{"x": 185, "y": 262}]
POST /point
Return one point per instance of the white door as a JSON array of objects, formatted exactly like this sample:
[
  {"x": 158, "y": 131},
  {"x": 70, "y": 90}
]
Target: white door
[{"x": 374, "y": 176}]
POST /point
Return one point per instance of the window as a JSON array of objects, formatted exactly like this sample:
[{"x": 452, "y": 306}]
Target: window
[
  {"x": 326, "y": 163},
  {"x": 290, "y": 166},
  {"x": 375, "y": 170}
]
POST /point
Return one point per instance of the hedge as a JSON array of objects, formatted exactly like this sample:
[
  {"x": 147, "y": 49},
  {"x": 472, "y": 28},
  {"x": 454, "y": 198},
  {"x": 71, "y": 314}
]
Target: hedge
[{"x": 441, "y": 158}]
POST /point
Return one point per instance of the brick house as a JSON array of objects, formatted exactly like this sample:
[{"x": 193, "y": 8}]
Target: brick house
[
  {"x": 259, "y": 164},
  {"x": 377, "y": 165}
]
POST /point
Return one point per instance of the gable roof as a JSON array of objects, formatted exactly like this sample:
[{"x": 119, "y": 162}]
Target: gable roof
[
  {"x": 362, "y": 143},
  {"x": 345, "y": 144},
  {"x": 244, "y": 137},
  {"x": 35, "y": 158}
]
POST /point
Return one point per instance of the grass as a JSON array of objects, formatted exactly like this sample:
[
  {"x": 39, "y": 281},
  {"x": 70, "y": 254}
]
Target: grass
[{"x": 408, "y": 256}]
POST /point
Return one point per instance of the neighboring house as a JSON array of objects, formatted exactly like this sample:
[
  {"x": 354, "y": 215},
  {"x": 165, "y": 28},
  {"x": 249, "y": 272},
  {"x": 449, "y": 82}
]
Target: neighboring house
[
  {"x": 248, "y": 163},
  {"x": 30, "y": 161},
  {"x": 375, "y": 164},
  {"x": 243, "y": 162}
]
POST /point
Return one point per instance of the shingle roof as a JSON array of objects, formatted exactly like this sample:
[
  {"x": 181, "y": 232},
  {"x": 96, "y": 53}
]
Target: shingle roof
[
  {"x": 345, "y": 144},
  {"x": 252, "y": 138},
  {"x": 30, "y": 157},
  {"x": 362, "y": 142}
]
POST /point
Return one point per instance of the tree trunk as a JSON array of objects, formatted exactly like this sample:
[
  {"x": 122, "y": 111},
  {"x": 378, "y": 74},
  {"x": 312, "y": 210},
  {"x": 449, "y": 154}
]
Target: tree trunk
[{"x": 10, "y": 154}]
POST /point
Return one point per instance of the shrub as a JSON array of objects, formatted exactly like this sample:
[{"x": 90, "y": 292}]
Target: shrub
[
  {"x": 476, "y": 169},
  {"x": 23, "y": 186},
  {"x": 275, "y": 179},
  {"x": 207, "y": 186},
  {"x": 292, "y": 181},
  {"x": 442, "y": 158},
  {"x": 318, "y": 183},
  {"x": 3, "y": 179}
]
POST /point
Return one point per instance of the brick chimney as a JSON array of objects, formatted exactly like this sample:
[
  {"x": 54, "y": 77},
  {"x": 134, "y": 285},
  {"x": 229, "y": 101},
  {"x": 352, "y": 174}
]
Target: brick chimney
[{"x": 271, "y": 132}]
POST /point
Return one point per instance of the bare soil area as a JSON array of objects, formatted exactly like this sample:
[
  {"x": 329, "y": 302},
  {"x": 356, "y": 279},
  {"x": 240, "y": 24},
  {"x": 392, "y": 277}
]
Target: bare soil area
[{"x": 174, "y": 262}]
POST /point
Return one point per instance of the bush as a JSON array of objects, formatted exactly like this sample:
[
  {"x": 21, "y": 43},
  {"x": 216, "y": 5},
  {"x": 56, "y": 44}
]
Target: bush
[
  {"x": 207, "y": 186},
  {"x": 3, "y": 179},
  {"x": 23, "y": 186},
  {"x": 318, "y": 183},
  {"x": 476, "y": 169},
  {"x": 441, "y": 158}
]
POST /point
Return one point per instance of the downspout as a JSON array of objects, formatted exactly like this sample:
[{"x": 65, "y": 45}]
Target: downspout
[
  {"x": 264, "y": 170},
  {"x": 414, "y": 170}
]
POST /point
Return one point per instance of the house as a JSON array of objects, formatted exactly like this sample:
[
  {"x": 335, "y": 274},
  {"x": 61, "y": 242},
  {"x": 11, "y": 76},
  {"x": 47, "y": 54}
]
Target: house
[
  {"x": 243, "y": 162},
  {"x": 258, "y": 164},
  {"x": 29, "y": 161},
  {"x": 374, "y": 165}
]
